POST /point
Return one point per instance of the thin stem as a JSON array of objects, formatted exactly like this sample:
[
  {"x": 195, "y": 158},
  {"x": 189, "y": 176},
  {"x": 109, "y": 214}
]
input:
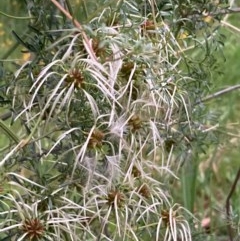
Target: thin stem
[
  {"x": 224, "y": 12},
  {"x": 68, "y": 4},
  {"x": 9, "y": 132},
  {"x": 15, "y": 17},
  {"x": 6, "y": 116},
  {"x": 13, "y": 47},
  {"x": 77, "y": 24},
  {"x": 214, "y": 14},
  {"x": 230, "y": 232},
  {"x": 99, "y": 9},
  {"x": 219, "y": 93},
  {"x": 232, "y": 27}
]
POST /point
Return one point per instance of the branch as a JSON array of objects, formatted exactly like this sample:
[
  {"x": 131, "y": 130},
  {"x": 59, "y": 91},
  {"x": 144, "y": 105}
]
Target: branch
[
  {"x": 232, "y": 27},
  {"x": 78, "y": 25},
  {"x": 216, "y": 13},
  {"x": 219, "y": 93},
  {"x": 230, "y": 233},
  {"x": 225, "y": 11},
  {"x": 15, "y": 17}
]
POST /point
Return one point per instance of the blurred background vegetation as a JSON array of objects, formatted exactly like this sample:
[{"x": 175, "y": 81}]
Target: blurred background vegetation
[{"x": 217, "y": 169}]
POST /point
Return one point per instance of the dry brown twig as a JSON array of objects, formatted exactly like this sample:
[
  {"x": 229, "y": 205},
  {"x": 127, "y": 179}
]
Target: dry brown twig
[{"x": 79, "y": 26}]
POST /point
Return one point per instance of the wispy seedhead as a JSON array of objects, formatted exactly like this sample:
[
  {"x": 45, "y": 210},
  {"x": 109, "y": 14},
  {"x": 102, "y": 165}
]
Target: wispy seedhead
[
  {"x": 33, "y": 229},
  {"x": 115, "y": 198},
  {"x": 108, "y": 112},
  {"x": 76, "y": 78},
  {"x": 144, "y": 190},
  {"x": 96, "y": 139}
]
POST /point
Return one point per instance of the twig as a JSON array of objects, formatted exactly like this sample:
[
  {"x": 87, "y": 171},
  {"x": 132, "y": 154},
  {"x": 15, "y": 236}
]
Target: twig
[
  {"x": 77, "y": 24},
  {"x": 219, "y": 93},
  {"x": 214, "y": 14},
  {"x": 232, "y": 27},
  {"x": 230, "y": 233},
  {"x": 225, "y": 11},
  {"x": 15, "y": 17}
]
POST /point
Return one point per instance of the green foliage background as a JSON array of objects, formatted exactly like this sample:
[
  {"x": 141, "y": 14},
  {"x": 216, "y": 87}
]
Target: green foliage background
[{"x": 217, "y": 169}]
